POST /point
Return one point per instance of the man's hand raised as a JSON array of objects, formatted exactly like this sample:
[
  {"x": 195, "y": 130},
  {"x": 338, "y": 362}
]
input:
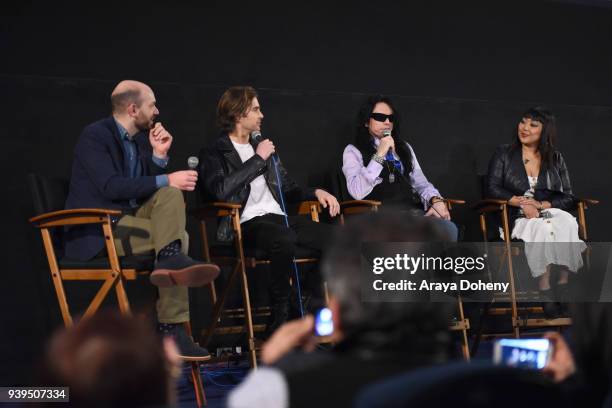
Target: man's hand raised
[{"x": 160, "y": 140}]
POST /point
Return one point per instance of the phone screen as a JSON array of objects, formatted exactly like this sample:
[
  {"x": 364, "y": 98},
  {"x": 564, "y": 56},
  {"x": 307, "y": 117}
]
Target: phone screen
[
  {"x": 527, "y": 353},
  {"x": 323, "y": 325}
]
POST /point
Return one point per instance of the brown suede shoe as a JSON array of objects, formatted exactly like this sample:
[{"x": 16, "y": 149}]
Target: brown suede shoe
[{"x": 181, "y": 270}]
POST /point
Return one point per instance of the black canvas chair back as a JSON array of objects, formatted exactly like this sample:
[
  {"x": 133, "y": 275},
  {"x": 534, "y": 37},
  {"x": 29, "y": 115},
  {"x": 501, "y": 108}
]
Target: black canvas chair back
[
  {"x": 339, "y": 185},
  {"x": 482, "y": 178},
  {"x": 48, "y": 193}
]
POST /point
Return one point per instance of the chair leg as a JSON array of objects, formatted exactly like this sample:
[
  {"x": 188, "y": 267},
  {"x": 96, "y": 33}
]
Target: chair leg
[
  {"x": 196, "y": 378},
  {"x": 97, "y": 300},
  {"x": 117, "y": 273},
  {"x": 506, "y": 227},
  {"x": 465, "y": 347},
  {"x": 61, "y": 299},
  {"x": 582, "y": 229},
  {"x": 220, "y": 303},
  {"x": 122, "y": 299},
  {"x": 213, "y": 292},
  {"x": 56, "y": 277},
  {"x": 249, "y": 318},
  {"x": 240, "y": 267},
  {"x": 198, "y": 387},
  {"x": 513, "y": 304}
]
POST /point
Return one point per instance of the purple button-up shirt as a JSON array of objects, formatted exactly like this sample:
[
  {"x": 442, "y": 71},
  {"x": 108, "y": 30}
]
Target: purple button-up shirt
[{"x": 361, "y": 180}]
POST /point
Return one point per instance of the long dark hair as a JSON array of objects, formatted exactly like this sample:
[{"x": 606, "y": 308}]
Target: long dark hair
[
  {"x": 548, "y": 137},
  {"x": 363, "y": 139}
]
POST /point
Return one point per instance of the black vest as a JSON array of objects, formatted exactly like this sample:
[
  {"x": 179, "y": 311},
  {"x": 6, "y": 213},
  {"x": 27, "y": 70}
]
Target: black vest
[{"x": 400, "y": 193}]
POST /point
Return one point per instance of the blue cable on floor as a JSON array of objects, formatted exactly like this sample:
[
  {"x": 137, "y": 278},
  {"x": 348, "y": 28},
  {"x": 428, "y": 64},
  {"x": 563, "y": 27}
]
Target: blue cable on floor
[{"x": 236, "y": 375}]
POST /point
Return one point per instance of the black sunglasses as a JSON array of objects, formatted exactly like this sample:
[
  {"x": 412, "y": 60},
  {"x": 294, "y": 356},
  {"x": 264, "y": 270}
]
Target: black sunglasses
[{"x": 381, "y": 117}]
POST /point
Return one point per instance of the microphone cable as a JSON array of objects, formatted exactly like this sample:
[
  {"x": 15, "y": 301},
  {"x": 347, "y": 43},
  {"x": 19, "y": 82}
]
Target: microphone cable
[{"x": 257, "y": 136}]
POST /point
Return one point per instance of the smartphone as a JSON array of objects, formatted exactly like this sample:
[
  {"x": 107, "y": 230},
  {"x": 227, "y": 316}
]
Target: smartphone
[
  {"x": 323, "y": 324},
  {"x": 526, "y": 353}
]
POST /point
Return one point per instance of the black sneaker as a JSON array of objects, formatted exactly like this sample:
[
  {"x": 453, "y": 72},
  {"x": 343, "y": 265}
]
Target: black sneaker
[
  {"x": 188, "y": 349},
  {"x": 181, "y": 270}
]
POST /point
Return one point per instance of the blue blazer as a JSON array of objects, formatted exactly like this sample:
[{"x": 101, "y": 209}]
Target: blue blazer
[{"x": 100, "y": 179}]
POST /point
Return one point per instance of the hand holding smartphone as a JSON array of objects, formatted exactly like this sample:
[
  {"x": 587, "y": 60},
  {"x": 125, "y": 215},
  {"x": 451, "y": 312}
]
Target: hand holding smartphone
[
  {"x": 323, "y": 324},
  {"x": 526, "y": 353}
]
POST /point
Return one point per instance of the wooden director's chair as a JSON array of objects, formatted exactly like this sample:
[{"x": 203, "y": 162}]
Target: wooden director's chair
[
  {"x": 519, "y": 315},
  {"x": 234, "y": 255},
  {"x": 49, "y": 196}
]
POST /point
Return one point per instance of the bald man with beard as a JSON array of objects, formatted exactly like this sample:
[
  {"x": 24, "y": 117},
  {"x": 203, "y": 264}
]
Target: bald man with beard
[{"x": 120, "y": 163}]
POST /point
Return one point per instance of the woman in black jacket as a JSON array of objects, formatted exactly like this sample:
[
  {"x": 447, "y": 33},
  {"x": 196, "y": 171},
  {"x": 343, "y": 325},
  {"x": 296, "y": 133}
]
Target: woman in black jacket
[{"x": 532, "y": 176}]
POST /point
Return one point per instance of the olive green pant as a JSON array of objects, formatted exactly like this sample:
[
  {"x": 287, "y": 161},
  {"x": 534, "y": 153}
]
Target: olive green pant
[{"x": 158, "y": 222}]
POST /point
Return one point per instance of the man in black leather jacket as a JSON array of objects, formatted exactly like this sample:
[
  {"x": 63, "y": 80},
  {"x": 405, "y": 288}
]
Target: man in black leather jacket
[{"x": 239, "y": 169}]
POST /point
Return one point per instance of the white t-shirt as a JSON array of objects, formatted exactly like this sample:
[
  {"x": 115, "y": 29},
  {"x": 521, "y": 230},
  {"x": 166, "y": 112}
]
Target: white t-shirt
[{"x": 261, "y": 201}]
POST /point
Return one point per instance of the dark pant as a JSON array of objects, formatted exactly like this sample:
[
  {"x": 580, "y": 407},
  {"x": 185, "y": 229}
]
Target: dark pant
[{"x": 269, "y": 233}]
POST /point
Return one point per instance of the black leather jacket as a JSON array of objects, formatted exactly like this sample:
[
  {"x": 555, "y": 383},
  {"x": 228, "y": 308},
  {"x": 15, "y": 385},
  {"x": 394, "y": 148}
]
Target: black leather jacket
[
  {"x": 226, "y": 178},
  {"x": 507, "y": 177}
]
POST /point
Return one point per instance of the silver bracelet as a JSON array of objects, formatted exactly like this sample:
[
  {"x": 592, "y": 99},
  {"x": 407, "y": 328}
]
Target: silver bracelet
[{"x": 378, "y": 159}]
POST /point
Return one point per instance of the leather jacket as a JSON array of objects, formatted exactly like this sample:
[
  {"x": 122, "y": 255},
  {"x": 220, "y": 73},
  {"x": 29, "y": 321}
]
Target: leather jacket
[
  {"x": 226, "y": 178},
  {"x": 507, "y": 177}
]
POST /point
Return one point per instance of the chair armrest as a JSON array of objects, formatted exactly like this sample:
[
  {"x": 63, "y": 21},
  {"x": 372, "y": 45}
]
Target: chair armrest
[
  {"x": 360, "y": 203},
  {"x": 453, "y": 201},
  {"x": 215, "y": 209},
  {"x": 588, "y": 201},
  {"x": 309, "y": 207},
  {"x": 358, "y": 206},
  {"x": 489, "y": 205},
  {"x": 74, "y": 216}
]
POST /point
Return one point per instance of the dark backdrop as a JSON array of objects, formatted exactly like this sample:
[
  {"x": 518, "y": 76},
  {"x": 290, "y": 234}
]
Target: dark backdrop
[{"x": 460, "y": 72}]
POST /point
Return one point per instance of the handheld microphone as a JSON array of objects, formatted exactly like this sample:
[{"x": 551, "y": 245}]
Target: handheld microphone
[
  {"x": 192, "y": 162},
  {"x": 258, "y": 137},
  {"x": 386, "y": 133}
]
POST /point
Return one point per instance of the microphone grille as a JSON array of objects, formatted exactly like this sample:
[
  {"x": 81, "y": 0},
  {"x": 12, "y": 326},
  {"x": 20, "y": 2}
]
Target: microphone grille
[
  {"x": 256, "y": 135},
  {"x": 386, "y": 133},
  {"x": 193, "y": 162}
]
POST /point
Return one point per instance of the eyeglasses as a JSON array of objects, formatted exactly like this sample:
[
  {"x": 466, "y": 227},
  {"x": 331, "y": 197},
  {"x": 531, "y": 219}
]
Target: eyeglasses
[{"x": 381, "y": 117}]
